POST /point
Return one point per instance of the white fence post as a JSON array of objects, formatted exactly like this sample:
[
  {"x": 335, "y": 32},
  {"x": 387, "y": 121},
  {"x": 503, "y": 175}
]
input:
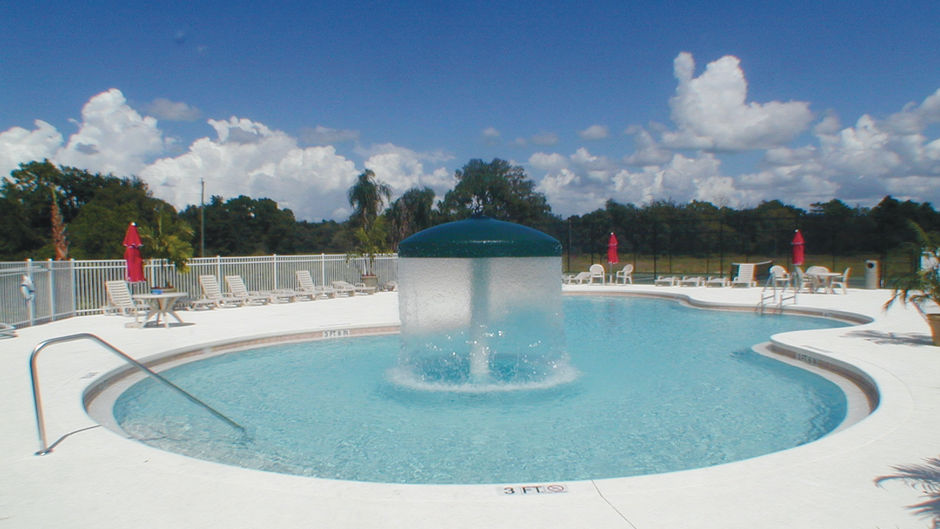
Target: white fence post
[
  {"x": 51, "y": 284},
  {"x": 274, "y": 262}
]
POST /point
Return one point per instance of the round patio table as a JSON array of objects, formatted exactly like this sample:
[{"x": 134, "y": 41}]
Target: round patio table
[
  {"x": 161, "y": 306},
  {"x": 824, "y": 280}
]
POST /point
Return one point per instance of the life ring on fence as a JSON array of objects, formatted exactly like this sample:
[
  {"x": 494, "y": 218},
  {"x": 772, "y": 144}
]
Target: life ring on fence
[{"x": 27, "y": 289}]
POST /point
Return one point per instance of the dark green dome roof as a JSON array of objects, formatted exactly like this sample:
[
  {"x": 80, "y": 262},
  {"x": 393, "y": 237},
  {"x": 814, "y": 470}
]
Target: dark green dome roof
[{"x": 479, "y": 237}]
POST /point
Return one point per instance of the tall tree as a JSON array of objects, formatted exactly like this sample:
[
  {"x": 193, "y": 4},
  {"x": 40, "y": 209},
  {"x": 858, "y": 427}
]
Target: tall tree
[
  {"x": 245, "y": 226},
  {"x": 496, "y": 189},
  {"x": 95, "y": 210},
  {"x": 367, "y": 197},
  {"x": 411, "y": 213}
]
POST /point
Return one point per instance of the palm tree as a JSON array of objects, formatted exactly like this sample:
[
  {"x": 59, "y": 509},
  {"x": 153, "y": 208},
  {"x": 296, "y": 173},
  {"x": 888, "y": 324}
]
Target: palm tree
[
  {"x": 169, "y": 240},
  {"x": 367, "y": 196}
]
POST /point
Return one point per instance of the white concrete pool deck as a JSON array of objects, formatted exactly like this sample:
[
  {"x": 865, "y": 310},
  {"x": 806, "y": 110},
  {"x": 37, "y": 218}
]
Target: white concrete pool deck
[{"x": 98, "y": 479}]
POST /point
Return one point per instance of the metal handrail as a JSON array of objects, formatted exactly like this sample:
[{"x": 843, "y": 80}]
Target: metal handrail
[
  {"x": 771, "y": 285},
  {"x": 44, "y": 448}
]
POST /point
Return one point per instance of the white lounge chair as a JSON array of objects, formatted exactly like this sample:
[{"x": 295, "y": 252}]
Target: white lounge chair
[
  {"x": 362, "y": 288},
  {"x": 625, "y": 275},
  {"x": 7, "y": 331},
  {"x": 238, "y": 289},
  {"x": 717, "y": 281},
  {"x": 666, "y": 281},
  {"x": 841, "y": 281},
  {"x": 121, "y": 302},
  {"x": 579, "y": 278},
  {"x": 311, "y": 289},
  {"x": 745, "y": 276},
  {"x": 597, "y": 272},
  {"x": 343, "y": 288},
  {"x": 212, "y": 294},
  {"x": 691, "y": 281},
  {"x": 358, "y": 288}
]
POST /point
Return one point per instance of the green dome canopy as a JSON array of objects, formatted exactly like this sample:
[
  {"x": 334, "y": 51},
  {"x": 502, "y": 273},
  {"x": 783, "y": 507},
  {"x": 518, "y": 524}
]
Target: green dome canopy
[{"x": 479, "y": 236}]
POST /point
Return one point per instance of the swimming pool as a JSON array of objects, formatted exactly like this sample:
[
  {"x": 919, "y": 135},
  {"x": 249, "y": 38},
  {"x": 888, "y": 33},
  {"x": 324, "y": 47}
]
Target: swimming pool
[{"x": 686, "y": 392}]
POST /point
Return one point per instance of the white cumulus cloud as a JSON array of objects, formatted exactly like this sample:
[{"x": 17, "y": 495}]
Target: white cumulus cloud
[
  {"x": 545, "y": 138},
  {"x": 403, "y": 169},
  {"x": 712, "y": 113},
  {"x": 321, "y": 135},
  {"x": 167, "y": 110},
  {"x": 112, "y": 137},
  {"x": 248, "y": 158},
  {"x": 491, "y": 135},
  {"x": 18, "y": 145},
  {"x": 594, "y": 132}
]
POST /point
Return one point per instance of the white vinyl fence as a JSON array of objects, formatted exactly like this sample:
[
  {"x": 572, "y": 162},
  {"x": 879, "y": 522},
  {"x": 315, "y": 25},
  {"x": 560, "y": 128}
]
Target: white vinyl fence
[{"x": 54, "y": 290}]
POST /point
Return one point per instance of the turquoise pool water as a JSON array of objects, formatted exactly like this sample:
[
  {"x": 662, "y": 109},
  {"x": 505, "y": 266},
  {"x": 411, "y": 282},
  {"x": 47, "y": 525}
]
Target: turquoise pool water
[{"x": 660, "y": 387}]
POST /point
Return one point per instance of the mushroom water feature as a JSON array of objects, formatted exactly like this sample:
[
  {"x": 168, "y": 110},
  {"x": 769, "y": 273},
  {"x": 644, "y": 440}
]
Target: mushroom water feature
[{"x": 480, "y": 308}]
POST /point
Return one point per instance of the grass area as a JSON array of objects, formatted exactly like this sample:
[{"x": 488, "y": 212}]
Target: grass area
[{"x": 646, "y": 268}]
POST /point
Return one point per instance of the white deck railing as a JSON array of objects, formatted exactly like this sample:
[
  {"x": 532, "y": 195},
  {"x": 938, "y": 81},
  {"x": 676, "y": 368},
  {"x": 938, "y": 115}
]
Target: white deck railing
[{"x": 64, "y": 289}]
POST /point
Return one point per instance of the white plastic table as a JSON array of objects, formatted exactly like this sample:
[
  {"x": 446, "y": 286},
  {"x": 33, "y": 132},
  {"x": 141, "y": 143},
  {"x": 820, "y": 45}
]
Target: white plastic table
[
  {"x": 823, "y": 279},
  {"x": 161, "y": 305}
]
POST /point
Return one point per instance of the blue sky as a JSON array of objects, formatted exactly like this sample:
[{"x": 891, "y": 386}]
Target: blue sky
[{"x": 729, "y": 102}]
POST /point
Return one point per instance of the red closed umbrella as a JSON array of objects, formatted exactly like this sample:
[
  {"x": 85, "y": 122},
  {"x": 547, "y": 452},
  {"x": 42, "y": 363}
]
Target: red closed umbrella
[
  {"x": 135, "y": 264},
  {"x": 798, "y": 248},
  {"x": 612, "y": 249}
]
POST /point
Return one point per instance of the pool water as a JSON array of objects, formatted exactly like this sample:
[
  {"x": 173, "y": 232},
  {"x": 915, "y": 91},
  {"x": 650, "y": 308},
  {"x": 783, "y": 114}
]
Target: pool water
[{"x": 660, "y": 387}]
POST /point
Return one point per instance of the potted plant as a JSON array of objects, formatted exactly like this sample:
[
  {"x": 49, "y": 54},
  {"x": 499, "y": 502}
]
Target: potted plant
[
  {"x": 370, "y": 242},
  {"x": 366, "y": 196},
  {"x": 922, "y": 288}
]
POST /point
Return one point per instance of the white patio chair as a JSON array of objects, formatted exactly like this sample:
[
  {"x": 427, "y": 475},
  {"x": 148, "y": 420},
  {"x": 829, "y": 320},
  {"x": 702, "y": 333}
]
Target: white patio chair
[
  {"x": 779, "y": 276},
  {"x": 212, "y": 294},
  {"x": 665, "y": 281},
  {"x": 310, "y": 289},
  {"x": 691, "y": 281},
  {"x": 841, "y": 281},
  {"x": 238, "y": 289},
  {"x": 801, "y": 281},
  {"x": 121, "y": 302},
  {"x": 597, "y": 272},
  {"x": 625, "y": 275}
]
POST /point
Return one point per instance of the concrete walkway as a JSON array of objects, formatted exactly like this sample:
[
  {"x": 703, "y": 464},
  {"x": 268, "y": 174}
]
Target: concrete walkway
[{"x": 97, "y": 479}]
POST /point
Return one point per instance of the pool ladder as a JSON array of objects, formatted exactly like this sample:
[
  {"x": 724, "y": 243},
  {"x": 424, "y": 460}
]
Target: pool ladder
[
  {"x": 776, "y": 296},
  {"x": 44, "y": 447}
]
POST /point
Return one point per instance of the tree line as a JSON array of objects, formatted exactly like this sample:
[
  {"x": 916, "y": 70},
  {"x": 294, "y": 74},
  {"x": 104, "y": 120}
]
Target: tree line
[{"x": 49, "y": 211}]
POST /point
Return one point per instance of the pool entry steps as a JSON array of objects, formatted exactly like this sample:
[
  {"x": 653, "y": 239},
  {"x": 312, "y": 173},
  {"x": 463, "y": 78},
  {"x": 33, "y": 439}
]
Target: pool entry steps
[{"x": 44, "y": 447}]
